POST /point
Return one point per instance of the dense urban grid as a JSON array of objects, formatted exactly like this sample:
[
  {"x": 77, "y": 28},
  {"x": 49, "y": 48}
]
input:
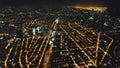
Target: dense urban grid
[{"x": 58, "y": 38}]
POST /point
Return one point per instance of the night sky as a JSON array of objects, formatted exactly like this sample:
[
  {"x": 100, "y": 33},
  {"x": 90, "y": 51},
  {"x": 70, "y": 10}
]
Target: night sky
[{"x": 55, "y": 2}]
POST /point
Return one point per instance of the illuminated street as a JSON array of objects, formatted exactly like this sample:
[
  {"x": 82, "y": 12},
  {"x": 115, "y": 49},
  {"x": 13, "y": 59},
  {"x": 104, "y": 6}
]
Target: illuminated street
[{"x": 58, "y": 38}]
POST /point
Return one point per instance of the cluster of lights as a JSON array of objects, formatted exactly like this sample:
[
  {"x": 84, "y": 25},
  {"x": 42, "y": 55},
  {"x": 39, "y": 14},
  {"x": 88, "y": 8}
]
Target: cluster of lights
[{"x": 101, "y": 9}]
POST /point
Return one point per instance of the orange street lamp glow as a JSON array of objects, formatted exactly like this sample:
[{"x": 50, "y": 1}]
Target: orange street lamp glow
[{"x": 101, "y": 9}]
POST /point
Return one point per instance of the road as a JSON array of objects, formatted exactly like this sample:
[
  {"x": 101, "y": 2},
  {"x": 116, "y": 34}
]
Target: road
[{"x": 75, "y": 45}]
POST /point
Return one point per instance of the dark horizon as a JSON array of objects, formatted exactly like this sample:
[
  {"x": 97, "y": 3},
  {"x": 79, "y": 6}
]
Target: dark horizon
[
  {"x": 54, "y": 2},
  {"x": 113, "y": 6}
]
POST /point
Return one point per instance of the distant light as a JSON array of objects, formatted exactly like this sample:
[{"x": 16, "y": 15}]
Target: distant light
[
  {"x": 53, "y": 39},
  {"x": 105, "y": 24},
  {"x": 51, "y": 42},
  {"x": 57, "y": 20},
  {"x": 91, "y": 18},
  {"x": 90, "y": 64},
  {"x": 1, "y": 38},
  {"x": 34, "y": 31},
  {"x": 1, "y": 21},
  {"x": 95, "y": 8}
]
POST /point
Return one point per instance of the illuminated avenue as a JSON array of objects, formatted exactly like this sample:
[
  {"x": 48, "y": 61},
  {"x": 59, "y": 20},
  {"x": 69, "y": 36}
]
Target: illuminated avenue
[{"x": 56, "y": 38}]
